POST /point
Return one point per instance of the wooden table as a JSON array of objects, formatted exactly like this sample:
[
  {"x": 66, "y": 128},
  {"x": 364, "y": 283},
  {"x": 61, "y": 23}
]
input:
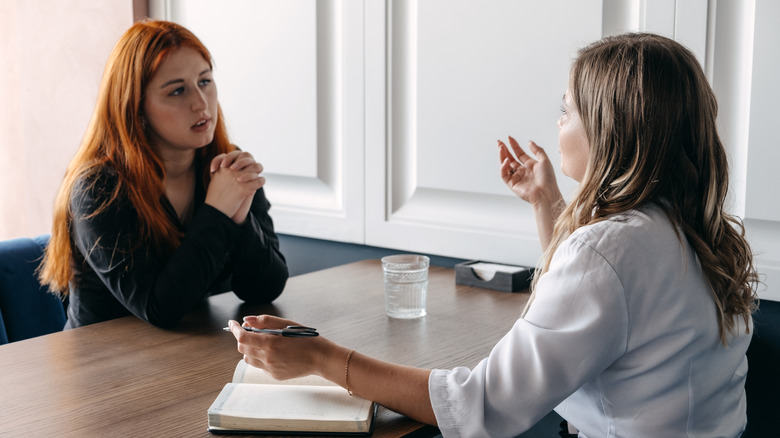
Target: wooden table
[{"x": 127, "y": 378}]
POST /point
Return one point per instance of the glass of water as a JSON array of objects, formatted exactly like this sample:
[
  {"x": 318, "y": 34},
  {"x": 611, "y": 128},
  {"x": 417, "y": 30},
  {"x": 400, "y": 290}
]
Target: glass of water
[{"x": 406, "y": 285}]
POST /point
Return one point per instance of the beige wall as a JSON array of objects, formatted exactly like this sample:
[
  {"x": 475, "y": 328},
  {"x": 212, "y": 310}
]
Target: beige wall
[{"x": 52, "y": 54}]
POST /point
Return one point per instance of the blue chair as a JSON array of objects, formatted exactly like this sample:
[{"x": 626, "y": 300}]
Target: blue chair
[
  {"x": 762, "y": 387},
  {"x": 27, "y": 309}
]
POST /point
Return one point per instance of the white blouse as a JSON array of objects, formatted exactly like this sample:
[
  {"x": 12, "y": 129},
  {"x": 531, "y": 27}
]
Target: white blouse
[{"x": 621, "y": 340}]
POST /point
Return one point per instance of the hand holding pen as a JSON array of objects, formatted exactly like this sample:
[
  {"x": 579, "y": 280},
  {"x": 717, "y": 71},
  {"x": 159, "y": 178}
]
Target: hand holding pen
[
  {"x": 267, "y": 342},
  {"x": 292, "y": 331}
]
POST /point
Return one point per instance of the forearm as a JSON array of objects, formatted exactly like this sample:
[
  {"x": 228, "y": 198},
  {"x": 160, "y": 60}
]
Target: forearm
[
  {"x": 158, "y": 289},
  {"x": 156, "y": 285},
  {"x": 178, "y": 283},
  {"x": 546, "y": 214},
  {"x": 259, "y": 278},
  {"x": 259, "y": 268},
  {"x": 399, "y": 388}
]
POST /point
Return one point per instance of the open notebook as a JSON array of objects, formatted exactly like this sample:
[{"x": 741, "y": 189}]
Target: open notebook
[{"x": 256, "y": 402}]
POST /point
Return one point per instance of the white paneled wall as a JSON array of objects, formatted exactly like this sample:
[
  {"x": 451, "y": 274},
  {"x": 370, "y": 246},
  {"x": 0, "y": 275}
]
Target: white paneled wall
[
  {"x": 762, "y": 184},
  {"x": 459, "y": 76},
  {"x": 377, "y": 120}
]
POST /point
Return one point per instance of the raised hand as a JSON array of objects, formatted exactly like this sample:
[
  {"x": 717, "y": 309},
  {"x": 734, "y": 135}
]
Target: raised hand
[
  {"x": 530, "y": 178},
  {"x": 533, "y": 180}
]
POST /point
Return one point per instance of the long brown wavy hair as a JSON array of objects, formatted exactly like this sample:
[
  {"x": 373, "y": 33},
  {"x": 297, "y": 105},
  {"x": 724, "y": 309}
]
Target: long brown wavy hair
[
  {"x": 116, "y": 138},
  {"x": 649, "y": 114}
]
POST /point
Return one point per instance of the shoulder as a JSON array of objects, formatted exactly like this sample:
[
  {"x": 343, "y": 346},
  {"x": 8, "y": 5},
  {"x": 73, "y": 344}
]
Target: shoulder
[
  {"x": 608, "y": 260},
  {"x": 94, "y": 190},
  {"x": 647, "y": 227},
  {"x": 635, "y": 245},
  {"x": 96, "y": 182}
]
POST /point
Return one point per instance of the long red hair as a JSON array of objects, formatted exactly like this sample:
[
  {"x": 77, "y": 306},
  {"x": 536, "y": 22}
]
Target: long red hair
[{"x": 116, "y": 139}]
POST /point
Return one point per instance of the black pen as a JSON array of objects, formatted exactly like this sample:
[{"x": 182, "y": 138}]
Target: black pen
[{"x": 291, "y": 331}]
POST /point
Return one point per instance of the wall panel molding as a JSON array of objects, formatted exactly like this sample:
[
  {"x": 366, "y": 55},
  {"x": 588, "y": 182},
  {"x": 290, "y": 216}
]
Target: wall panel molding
[
  {"x": 438, "y": 169},
  {"x": 290, "y": 75},
  {"x": 330, "y": 205}
]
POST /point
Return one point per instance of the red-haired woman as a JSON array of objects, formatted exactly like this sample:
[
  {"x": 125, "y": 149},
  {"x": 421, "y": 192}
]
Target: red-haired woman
[{"x": 158, "y": 209}]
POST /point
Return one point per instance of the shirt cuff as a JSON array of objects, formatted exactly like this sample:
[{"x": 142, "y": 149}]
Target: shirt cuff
[{"x": 437, "y": 391}]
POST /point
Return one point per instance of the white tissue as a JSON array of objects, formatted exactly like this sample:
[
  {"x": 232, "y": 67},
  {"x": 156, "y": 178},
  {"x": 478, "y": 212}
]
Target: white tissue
[{"x": 486, "y": 271}]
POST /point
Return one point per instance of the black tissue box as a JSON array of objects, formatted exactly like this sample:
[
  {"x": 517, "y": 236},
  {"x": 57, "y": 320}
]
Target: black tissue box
[{"x": 507, "y": 278}]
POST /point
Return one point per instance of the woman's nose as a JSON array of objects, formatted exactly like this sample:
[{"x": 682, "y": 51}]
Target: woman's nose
[{"x": 199, "y": 101}]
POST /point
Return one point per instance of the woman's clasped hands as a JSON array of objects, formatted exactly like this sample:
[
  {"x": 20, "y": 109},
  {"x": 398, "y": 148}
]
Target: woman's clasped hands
[{"x": 235, "y": 177}]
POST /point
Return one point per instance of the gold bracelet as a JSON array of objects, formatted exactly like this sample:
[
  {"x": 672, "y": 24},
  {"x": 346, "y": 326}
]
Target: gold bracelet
[{"x": 346, "y": 372}]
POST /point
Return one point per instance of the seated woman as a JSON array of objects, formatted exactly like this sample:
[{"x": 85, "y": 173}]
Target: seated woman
[
  {"x": 641, "y": 309},
  {"x": 158, "y": 209}
]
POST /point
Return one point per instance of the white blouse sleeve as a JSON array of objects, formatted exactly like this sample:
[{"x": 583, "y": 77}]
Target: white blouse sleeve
[{"x": 575, "y": 328}]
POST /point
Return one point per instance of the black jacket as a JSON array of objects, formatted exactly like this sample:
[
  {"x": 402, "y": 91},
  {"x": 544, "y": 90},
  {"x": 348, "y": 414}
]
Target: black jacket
[{"x": 114, "y": 276}]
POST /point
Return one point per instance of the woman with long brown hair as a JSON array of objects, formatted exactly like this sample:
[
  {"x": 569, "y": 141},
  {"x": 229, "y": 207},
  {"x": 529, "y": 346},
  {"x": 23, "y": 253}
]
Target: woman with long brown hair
[
  {"x": 641, "y": 309},
  {"x": 158, "y": 209}
]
